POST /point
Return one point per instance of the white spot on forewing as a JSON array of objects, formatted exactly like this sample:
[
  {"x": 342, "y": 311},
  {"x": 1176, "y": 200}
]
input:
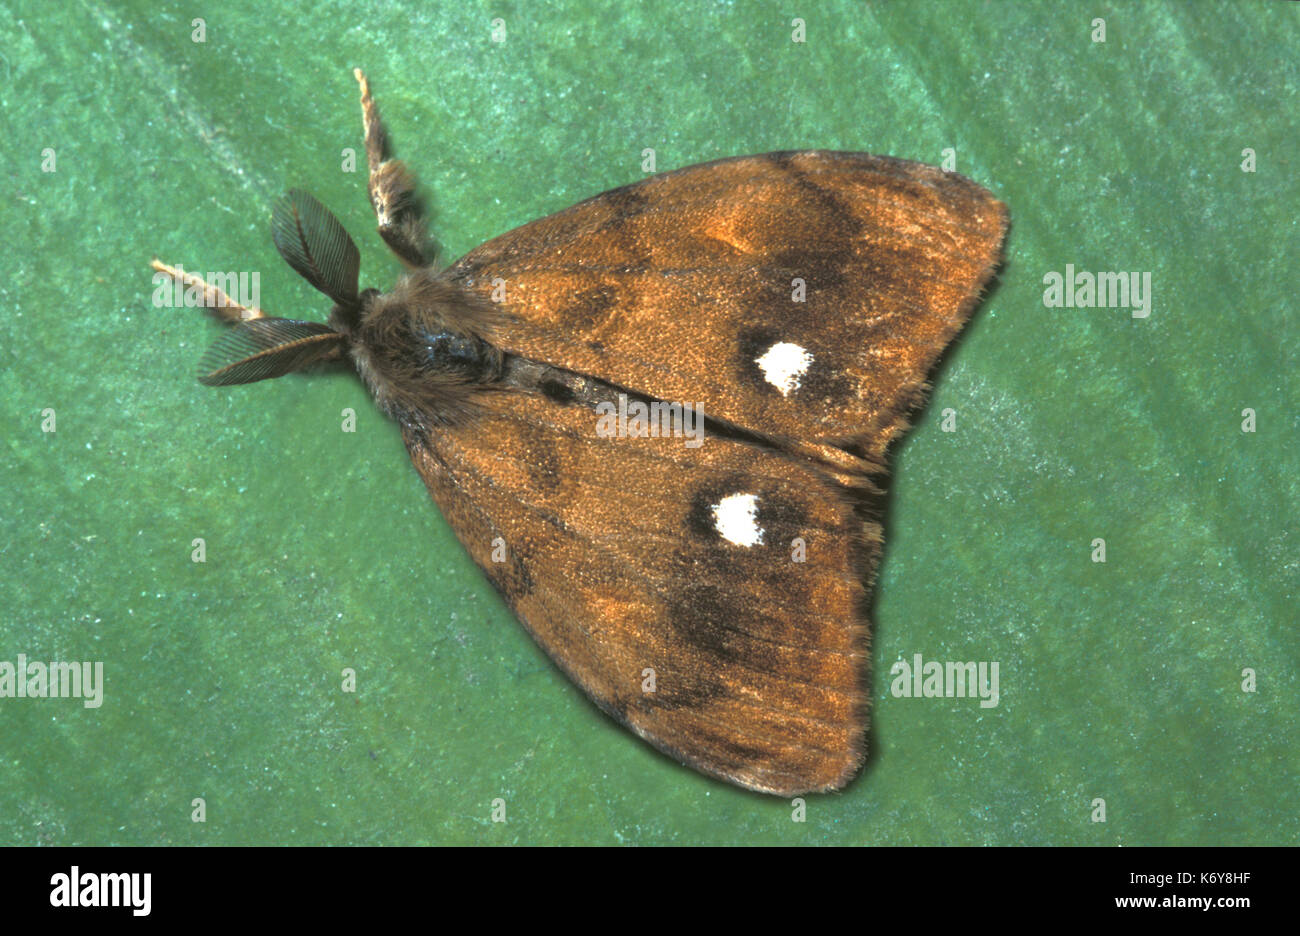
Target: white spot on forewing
[
  {"x": 736, "y": 519},
  {"x": 783, "y": 364}
]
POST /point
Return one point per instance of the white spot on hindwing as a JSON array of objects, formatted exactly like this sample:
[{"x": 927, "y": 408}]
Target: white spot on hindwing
[
  {"x": 783, "y": 364},
  {"x": 735, "y": 517}
]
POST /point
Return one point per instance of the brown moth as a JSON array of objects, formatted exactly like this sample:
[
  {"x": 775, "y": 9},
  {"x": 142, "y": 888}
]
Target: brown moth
[{"x": 710, "y": 598}]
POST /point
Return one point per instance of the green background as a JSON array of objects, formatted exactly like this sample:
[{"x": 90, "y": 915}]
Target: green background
[{"x": 1120, "y": 681}]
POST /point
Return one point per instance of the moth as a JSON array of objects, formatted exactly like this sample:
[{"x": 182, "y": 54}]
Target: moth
[{"x": 711, "y": 598}]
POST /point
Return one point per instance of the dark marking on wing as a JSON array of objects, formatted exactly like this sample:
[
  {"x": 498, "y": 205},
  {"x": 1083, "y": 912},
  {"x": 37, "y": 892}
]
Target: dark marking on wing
[
  {"x": 539, "y": 457},
  {"x": 588, "y": 309},
  {"x": 699, "y": 517},
  {"x": 510, "y": 577},
  {"x": 752, "y": 344},
  {"x": 676, "y": 687},
  {"x": 626, "y": 201},
  {"x": 824, "y": 380}
]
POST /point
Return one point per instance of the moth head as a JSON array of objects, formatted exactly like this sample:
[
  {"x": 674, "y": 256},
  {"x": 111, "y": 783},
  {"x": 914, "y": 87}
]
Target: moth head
[
  {"x": 423, "y": 349},
  {"x": 315, "y": 244}
]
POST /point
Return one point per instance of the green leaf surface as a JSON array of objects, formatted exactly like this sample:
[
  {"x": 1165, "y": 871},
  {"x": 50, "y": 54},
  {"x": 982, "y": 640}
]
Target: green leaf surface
[{"x": 1119, "y": 681}]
